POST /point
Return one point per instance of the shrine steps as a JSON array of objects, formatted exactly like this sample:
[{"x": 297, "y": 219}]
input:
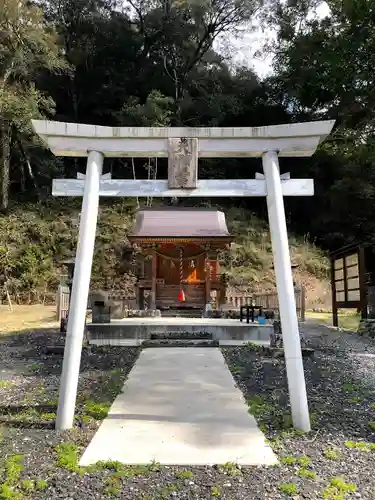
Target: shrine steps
[
  {"x": 179, "y": 335},
  {"x": 167, "y": 298},
  {"x": 181, "y": 339},
  {"x": 147, "y": 332},
  {"x": 182, "y": 313},
  {"x": 180, "y": 343}
]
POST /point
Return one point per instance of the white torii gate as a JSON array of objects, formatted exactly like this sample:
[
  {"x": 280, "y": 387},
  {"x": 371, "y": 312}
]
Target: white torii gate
[{"x": 183, "y": 147}]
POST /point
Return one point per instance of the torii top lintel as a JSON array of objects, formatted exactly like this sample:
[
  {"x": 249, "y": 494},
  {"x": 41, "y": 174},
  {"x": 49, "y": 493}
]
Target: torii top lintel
[{"x": 72, "y": 139}]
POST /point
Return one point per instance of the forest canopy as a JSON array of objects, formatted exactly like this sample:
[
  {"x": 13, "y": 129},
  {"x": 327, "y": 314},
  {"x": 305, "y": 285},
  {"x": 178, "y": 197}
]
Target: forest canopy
[{"x": 153, "y": 63}]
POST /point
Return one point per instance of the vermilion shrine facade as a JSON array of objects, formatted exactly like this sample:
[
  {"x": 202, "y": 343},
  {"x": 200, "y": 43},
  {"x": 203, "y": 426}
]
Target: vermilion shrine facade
[{"x": 178, "y": 257}]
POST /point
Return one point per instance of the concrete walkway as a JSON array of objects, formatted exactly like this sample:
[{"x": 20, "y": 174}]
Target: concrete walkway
[{"x": 180, "y": 406}]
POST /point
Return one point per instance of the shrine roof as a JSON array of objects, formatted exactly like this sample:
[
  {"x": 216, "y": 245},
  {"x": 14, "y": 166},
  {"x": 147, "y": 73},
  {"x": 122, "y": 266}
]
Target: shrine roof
[{"x": 180, "y": 223}]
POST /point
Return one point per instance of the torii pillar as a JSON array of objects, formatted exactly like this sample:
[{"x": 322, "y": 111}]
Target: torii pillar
[
  {"x": 285, "y": 291},
  {"x": 183, "y": 146},
  {"x": 80, "y": 291}
]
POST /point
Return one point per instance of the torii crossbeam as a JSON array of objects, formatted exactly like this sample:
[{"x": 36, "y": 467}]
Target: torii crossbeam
[{"x": 183, "y": 147}]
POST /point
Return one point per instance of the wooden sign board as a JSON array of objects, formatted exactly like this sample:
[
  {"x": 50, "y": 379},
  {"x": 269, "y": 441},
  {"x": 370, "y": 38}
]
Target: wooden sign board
[
  {"x": 182, "y": 163},
  {"x": 347, "y": 281}
]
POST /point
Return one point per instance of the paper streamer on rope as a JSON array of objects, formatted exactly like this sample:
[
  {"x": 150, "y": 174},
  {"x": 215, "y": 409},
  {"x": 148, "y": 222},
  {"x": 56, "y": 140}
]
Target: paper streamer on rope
[
  {"x": 169, "y": 257},
  {"x": 181, "y": 295}
]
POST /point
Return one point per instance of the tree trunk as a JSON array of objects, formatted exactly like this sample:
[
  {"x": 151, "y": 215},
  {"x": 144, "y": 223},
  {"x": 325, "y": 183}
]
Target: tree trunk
[
  {"x": 22, "y": 177},
  {"x": 5, "y": 138},
  {"x": 29, "y": 168},
  {"x": 32, "y": 177}
]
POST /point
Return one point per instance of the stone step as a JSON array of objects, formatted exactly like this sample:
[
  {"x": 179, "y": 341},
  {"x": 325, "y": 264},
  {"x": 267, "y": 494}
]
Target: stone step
[
  {"x": 180, "y": 343},
  {"x": 140, "y": 343},
  {"x": 181, "y": 336},
  {"x": 181, "y": 313}
]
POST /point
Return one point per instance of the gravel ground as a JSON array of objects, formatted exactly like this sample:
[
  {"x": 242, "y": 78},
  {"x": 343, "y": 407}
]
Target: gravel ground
[{"x": 340, "y": 380}]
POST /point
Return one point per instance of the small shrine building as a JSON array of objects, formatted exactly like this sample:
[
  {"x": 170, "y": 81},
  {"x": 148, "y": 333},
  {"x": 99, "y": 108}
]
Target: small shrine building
[{"x": 178, "y": 253}]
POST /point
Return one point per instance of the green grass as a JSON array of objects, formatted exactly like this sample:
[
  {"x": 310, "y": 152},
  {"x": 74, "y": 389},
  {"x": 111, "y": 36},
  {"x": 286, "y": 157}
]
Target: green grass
[
  {"x": 84, "y": 419},
  {"x": 122, "y": 470},
  {"x": 360, "y": 445},
  {"x": 257, "y": 406},
  {"x": 265, "y": 412},
  {"x": 288, "y": 460},
  {"x": 231, "y": 469},
  {"x": 215, "y": 491},
  {"x": 7, "y": 492},
  {"x": 34, "y": 414},
  {"x": 338, "y": 488},
  {"x": 113, "y": 465},
  {"x": 350, "y": 387},
  {"x": 303, "y": 461},
  {"x": 250, "y": 346},
  {"x": 165, "y": 492},
  {"x": 13, "y": 468},
  {"x": 67, "y": 456},
  {"x": 5, "y": 384},
  {"x": 12, "y": 473},
  {"x": 96, "y": 410},
  {"x": 41, "y": 484},
  {"x": 355, "y": 400},
  {"x": 289, "y": 489},
  {"x": 28, "y": 485},
  {"x": 112, "y": 486},
  {"x": 113, "y": 483},
  {"x": 96, "y": 407},
  {"x": 48, "y": 416},
  {"x": 185, "y": 474},
  {"x": 306, "y": 473},
  {"x": 331, "y": 454},
  {"x": 347, "y": 320},
  {"x": 35, "y": 368}
]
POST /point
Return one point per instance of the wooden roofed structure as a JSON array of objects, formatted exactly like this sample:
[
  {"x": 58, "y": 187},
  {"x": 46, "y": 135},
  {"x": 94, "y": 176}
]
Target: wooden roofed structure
[
  {"x": 353, "y": 279},
  {"x": 178, "y": 261}
]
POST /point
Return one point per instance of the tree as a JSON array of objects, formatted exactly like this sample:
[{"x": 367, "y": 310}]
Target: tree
[
  {"x": 324, "y": 70},
  {"x": 27, "y": 45},
  {"x": 155, "y": 112},
  {"x": 179, "y": 35},
  {"x": 326, "y": 65},
  {"x": 89, "y": 36}
]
